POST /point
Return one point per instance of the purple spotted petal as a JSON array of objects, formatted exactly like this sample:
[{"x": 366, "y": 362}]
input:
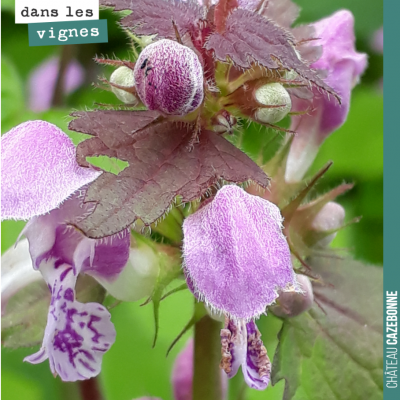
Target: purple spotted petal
[
  {"x": 38, "y": 170},
  {"x": 257, "y": 368},
  {"x": 234, "y": 346},
  {"x": 42, "y": 82},
  {"x": 77, "y": 335},
  {"x": 242, "y": 346},
  {"x": 344, "y": 67},
  {"x": 236, "y": 254}
]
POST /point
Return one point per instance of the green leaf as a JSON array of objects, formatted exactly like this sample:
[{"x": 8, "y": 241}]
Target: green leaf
[
  {"x": 339, "y": 355},
  {"x": 12, "y": 95}
]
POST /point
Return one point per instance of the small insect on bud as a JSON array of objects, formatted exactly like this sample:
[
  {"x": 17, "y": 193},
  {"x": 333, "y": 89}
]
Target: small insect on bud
[
  {"x": 123, "y": 76},
  {"x": 272, "y": 94},
  {"x": 291, "y": 304},
  {"x": 169, "y": 78},
  {"x": 223, "y": 122}
]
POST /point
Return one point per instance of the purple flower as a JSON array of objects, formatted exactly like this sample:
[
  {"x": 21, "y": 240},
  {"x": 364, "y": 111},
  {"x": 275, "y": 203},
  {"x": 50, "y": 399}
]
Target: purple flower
[
  {"x": 38, "y": 170},
  {"x": 182, "y": 374},
  {"x": 236, "y": 256},
  {"x": 344, "y": 67},
  {"x": 242, "y": 346},
  {"x": 77, "y": 335},
  {"x": 169, "y": 78},
  {"x": 43, "y": 79},
  {"x": 40, "y": 173}
]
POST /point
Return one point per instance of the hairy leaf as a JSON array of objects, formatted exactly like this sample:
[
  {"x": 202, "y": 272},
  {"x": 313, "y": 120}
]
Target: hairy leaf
[
  {"x": 221, "y": 13},
  {"x": 250, "y": 38},
  {"x": 339, "y": 355},
  {"x": 151, "y": 17},
  {"x": 160, "y": 166}
]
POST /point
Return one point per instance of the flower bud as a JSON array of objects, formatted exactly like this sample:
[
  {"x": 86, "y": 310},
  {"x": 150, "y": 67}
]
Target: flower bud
[
  {"x": 272, "y": 94},
  {"x": 329, "y": 218},
  {"x": 169, "y": 78},
  {"x": 264, "y": 102},
  {"x": 123, "y": 76},
  {"x": 291, "y": 304}
]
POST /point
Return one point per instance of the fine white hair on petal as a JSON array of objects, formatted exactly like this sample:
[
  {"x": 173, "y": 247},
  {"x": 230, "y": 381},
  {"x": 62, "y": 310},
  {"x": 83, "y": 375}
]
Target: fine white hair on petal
[
  {"x": 236, "y": 257},
  {"x": 38, "y": 170}
]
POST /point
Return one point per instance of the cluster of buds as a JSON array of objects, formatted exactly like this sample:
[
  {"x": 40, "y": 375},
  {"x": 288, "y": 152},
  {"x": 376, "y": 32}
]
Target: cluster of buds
[{"x": 238, "y": 244}]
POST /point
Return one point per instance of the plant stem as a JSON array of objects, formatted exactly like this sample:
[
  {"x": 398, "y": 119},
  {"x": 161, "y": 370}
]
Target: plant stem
[
  {"x": 58, "y": 94},
  {"x": 90, "y": 389},
  {"x": 207, "y": 355}
]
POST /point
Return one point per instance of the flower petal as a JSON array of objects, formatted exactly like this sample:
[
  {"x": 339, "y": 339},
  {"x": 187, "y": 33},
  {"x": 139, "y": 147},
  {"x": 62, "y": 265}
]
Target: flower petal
[
  {"x": 16, "y": 271},
  {"x": 344, "y": 67},
  {"x": 38, "y": 170},
  {"x": 234, "y": 346},
  {"x": 236, "y": 254},
  {"x": 257, "y": 367},
  {"x": 77, "y": 335}
]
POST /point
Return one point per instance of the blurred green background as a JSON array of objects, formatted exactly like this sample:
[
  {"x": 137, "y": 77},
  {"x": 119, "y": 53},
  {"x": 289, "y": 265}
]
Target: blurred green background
[{"x": 132, "y": 368}]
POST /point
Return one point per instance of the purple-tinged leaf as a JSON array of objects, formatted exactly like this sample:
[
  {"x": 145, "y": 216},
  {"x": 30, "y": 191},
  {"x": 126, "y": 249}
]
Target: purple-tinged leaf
[
  {"x": 154, "y": 17},
  {"x": 221, "y": 13},
  {"x": 250, "y": 38},
  {"x": 160, "y": 167},
  {"x": 337, "y": 355}
]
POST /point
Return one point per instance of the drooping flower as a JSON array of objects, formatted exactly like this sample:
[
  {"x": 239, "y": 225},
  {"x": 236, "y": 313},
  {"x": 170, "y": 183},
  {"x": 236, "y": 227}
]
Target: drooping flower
[
  {"x": 242, "y": 346},
  {"x": 169, "y": 78},
  {"x": 236, "y": 256},
  {"x": 77, "y": 335},
  {"x": 182, "y": 374},
  {"x": 43, "y": 79},
  {"x": 344, "y": 66},
  {"x": 38, "y": 157}
]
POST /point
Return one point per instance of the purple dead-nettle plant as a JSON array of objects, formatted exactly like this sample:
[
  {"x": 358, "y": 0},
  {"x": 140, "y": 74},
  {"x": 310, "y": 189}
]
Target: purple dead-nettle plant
[{"x": 203, "y": 68}]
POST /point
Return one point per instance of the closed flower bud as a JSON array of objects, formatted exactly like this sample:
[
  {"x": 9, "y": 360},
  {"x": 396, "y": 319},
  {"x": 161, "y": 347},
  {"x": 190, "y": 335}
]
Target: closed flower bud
[
  {"x": 272, "y": 94},
  {"x": 330, "y": 218},
  {"x": 264, "y": 102},
  {"x": 169, "y": 78},
  {"x": 123, "y": 76},
  {"x": 291, "y": 304}
]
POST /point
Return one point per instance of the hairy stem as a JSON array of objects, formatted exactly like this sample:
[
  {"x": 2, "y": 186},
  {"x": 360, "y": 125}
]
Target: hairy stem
[
  {"x": 90, "y": 389},
  {"x": 207, "y": 355}
]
